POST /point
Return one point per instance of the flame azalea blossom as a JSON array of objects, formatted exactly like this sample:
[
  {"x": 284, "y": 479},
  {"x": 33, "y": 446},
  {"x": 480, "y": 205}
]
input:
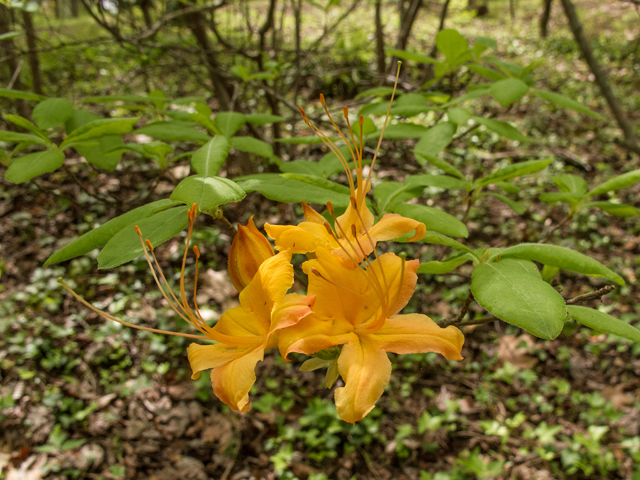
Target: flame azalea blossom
[
  {"x": 248, "y": 330},
  {"x": 357, "y": 308},
  {"x": 243, "y": 333},
  {"x": 357, "y": 224},
  {"x": 248, "y": 250}
]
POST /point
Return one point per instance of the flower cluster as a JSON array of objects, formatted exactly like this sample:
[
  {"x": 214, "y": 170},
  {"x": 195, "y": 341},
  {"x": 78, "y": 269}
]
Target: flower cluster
[{"x": 349, "y": 318}]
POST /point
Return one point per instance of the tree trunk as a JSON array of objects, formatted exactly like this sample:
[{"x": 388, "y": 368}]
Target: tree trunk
[
  {"x": 380, "y": 41},
  {"x": 407, "y": 18},
  {"x": 9, "y": 49},
  {"x": 34, "y": 60},
  {"x": 74, "y": 8},
  {"x": 600, "y": 76},
  {"x": 544, "y": 19},
  {"x": 222, "y": 91},
  {"x": 145, "y": 6}
]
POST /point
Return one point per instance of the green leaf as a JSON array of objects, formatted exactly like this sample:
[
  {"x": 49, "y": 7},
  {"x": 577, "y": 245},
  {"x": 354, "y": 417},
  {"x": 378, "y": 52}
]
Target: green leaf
[
  {"x": 436, "y": 139},
  {"x": 229, "y": 122},
  {"x": 602, "y": 322},
  {"x": 29, "y": 166},
  {"x": 208, "y": 159},
  {"x": 374, "y": 108},
  {"x": 555, "y": 197},
  {"x": 571, "y": 184},
  {"x": 565, "y": 102},
  {"x": 388, "y": 194},
  {"x": 511, "y": 292},
  {"x": 15, "y": 137},
  {"x": 411, "y": 110},
  {"x": 435, "y": 219},
  {"x": 402, "y": 55},
  {"x": 484, "y": 43},
  {"x": 451, "y": 44},
  {"x": 563, "y": 258},
  {"x": 512, "y": 171},
  {"x": 459, "y": 115},
  {"x": 98, "y": 237},
  {"x": 207, "y": 192},
  {"x": 548, "y": 273},
  {"x": 288, "y": 189},
  {"x": 441, "y": 181},
  {"x": 174, "y": 131},
  {"x": 487, "y": 73},
  {"x": 446, "y": 266},
  {"x": 328, "y": 165},
  {"x": 27, "y": 125},
  {"x": 617, "y": 209},
  {"x": 441, "y": 164},
  {"x": 502, "y": 128},
  {"x": 101, "y": 155},
  {"x": 513, "y": 205},
  {"x": 616, "y": 183},
  {"x": 19, "y": 94},
  {"x": 263, "y": 118},
  {"x": 125, "y": 245},
  {"x": 470, "y": 95},
  {"x": 508, "y": 91},
  {"x": 400, "y": 131},
  {"x": 439, "y": 239},
  {"x": 252, "y": 145},
  {"x": 52, "y": 112},
  {"x": 99, "y": 128},
  {"x": 508, "y": 187},
  {"x": 306, "y": 140}
]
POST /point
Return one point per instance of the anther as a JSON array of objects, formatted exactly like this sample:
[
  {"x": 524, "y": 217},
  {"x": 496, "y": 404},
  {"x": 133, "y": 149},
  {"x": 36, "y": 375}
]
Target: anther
[
  {"x": 361, "y": 120},
  {"x": 353, "y": 202},
  {"x": 196, "y": 251},
  {"x": 316, "y": 272},
  {"x": 149, "y": 244},
  {"x": 330, "y": 208},
  {"x": 345, "y": 110},
  {"x": 353, "y": 230},
  {"x": 194, "y": 209},
  {"x": 138, "y": 230},
  {"x": 322, "y": 100},
  {"x": 328, "y": 229}
]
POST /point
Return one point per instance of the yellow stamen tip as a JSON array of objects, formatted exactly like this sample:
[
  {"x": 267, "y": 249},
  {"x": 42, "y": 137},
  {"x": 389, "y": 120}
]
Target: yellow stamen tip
[
  {"x": 353, "y": 230},
  {"x": 330, "y": 208},
  {"x": 196, "y": 251},
  {"x": 194, "y": 209},
  {"x": 322, "y": 100},
  {"x": 353, "y": 202},
  {"x": 361, "y": 120},
  {"x": 138, "y": 230},
  {"x": 345, "y": 110},
  {"x": 149, "y": 245}
]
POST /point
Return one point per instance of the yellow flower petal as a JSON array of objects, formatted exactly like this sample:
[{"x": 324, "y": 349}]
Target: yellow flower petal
[
  {"x": 231, "y": 382},
  {"x": 366, "y": 370},
  {"x": 393, "y": 226},
  {"x": 268, "y": 287},
  {"x": 415, "y": 333},
  {"x": 302, "y": 238},
  {"x": 242, "y": 327},
  {"x": 204, "y": 357},
  {"x": 311, "y": 215},
  {"x": 310, "y": 335},
  {"x": 248, "y": 250},
  {"x": 350, "y": 216},
  {"x": 293, "y": 308}
]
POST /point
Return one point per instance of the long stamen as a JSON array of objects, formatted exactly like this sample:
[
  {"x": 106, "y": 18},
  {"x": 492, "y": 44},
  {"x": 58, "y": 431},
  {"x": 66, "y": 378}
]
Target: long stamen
[
  {"x": 147, "y": 245},
  {"x": 361, "y": 122},
  {"x": 358, "y": 154},
  {"x": 378, "y": 322},
  {"x": 386, "y": 120},
  {"x": 332, "y": 146},
  {"x": 324, "y": 105},
  {"x": 122, "y": 322},
  {"x": 344, "y": 235},
  {"x": 373, "y": 246}
]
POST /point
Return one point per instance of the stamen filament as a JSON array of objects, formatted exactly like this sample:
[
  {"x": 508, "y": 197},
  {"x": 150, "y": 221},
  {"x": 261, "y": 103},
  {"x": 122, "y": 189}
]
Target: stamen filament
[{"x": 122, "y": 322}]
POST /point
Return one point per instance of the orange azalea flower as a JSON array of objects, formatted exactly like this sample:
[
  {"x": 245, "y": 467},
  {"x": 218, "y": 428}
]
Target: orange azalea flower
[
  {"x": 357, "y": 219},
  {"x": 248, "y": 250},
  {"x": 357, "y": 308},
  {"x": 243, "y": 333}
]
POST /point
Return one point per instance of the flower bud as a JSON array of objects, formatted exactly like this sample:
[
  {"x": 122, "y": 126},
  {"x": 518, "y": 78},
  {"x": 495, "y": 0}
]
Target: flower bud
[{"x": 249, "y": 249}]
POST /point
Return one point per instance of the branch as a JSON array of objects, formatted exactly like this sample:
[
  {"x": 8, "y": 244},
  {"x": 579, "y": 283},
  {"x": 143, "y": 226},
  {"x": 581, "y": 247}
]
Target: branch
[{"x": 601, "y": 292}]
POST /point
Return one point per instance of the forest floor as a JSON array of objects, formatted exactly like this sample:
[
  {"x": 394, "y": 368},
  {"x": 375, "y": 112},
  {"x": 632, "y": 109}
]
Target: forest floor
[{"x": 83, "y": 398}]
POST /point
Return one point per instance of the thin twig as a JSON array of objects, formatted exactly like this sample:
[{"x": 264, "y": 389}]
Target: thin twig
[
  {"x": 558, "y": 226},
  {"x": 462, "y": 314},
  {"x": 591, "y": 295}
]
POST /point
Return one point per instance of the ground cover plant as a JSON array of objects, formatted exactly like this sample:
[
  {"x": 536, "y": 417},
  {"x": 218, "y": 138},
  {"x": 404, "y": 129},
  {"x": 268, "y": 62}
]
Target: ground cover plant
[{"x": 469, "y": 149}]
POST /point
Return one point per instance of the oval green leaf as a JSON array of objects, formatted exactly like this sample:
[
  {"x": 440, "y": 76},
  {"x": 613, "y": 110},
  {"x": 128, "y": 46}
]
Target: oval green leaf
[
  {"x": 208, "y": 159},
  {"x": 616, "y": 183},
  {"x": 512, "y": 293},
  {"x": 52, "y": 112},
  {"x": 563, "y": 258},
  {"x": 508, "y": 91},
  {"x": 125, "y": 245},
  {"x": 29, "y": 166},
  {"x": 174, "y": 131},
  {"x": 98, "y": 237},
  {"x": 435, "y": 219},
  {"x": 602, "y": 322},
  {"x": 207, "y": 192}
]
